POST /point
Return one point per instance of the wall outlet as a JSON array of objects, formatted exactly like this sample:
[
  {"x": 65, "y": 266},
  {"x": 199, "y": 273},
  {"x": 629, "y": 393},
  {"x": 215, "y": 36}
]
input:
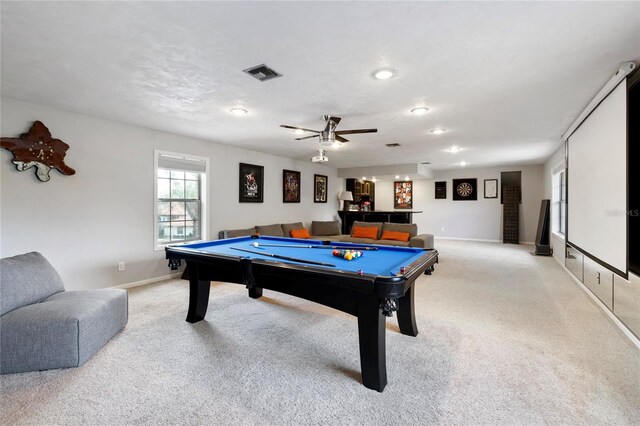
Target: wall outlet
[{"x": 121, "y": 266}]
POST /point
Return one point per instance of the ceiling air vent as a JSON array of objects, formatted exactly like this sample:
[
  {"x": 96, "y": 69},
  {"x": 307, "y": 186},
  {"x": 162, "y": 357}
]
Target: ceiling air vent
[
  {"x": 262, "y": 72},
  {"x": 392, "y": 145},
  {"x": 426, "y": 162}
]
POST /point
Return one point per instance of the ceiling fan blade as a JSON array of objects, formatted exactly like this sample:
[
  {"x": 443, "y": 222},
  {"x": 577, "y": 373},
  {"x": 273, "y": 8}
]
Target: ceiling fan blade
[
  {"x": 307, "y": 137},
  {"x": 341, "y": 139},
  {"x": 299, "y": 128},
  {"x": 336, "y": 119},
  {"x": 351, "y": 132}
]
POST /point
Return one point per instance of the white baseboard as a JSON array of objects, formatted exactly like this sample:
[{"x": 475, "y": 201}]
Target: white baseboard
[
  {"x": 602, "y": 306},
  {"x": 529, "y": 243},
  {"x": 148, "y": 281},
  {"x": 467, "y": 239}
]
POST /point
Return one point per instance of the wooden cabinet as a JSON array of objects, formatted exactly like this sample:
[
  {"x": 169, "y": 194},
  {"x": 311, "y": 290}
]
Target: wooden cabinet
[
  {"x": 511, "y": 214},
  {"x": 362, "y": 190}
]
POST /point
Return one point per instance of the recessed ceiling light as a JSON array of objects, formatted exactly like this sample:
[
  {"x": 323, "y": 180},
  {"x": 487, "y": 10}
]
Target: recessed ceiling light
[
  {"x": 397, "y": 176},
  {"x": 373, "y": 179},
  {"x": 420, "y": 110},
  {"x": 298, "y": 131},
  {"x": 463, "y": 163},
  {"x": 454, "y": 149},
  {"x": 384, "y": 73},
  {"x": 238, "y": 111},
  {"x": 406, "y": 178},
  {"x": 438, "y": 131},
  {"x": 364, "y": 178}
]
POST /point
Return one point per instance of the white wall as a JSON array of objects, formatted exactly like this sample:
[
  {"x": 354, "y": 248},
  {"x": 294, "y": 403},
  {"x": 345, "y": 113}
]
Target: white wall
[
  {"x": 474, "y": 220},
  {"x": 85, "y": 223},
  {"x": 552, "y": 164}
]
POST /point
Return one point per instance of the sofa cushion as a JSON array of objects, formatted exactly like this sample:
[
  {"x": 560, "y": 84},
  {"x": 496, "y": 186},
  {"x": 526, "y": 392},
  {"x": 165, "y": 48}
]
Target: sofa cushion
[
  {"x": 63, "y": 331},
  {"x": 393, "y": 243},
  {"x": 337, "y": 237},
  {"x": 274, "y": 230},
  {"x": 300, "y": 233},
  {"x": 288, "y": 227},
  {"x": 233, "y": 233},
  {"x": 377, "y": 225},
  {"x": 411, "y": 228},
  {"x": 395, "y": 236},
  {"x": 320, "y": 228},
  {"x": 349, "y": 239},
  {"x": 26, "y": 279}
]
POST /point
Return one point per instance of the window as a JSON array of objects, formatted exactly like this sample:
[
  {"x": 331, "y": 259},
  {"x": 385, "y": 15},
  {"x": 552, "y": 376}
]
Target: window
[
  {"x": 559, "y": 201},
  {"x": 180, "y": 184}
]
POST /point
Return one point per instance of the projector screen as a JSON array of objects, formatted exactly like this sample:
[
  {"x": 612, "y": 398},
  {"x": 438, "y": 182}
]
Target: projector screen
[{"x": 597, "y": 182}]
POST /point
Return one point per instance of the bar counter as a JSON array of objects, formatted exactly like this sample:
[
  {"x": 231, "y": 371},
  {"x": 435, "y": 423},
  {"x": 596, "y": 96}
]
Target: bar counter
[{"x": 393, "y": 216}]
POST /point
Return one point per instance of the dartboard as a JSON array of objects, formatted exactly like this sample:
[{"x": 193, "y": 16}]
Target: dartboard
[{"x": 464, "y": 189}]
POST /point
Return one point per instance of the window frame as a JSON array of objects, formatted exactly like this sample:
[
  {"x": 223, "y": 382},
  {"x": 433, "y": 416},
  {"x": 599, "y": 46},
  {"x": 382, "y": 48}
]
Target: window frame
[
  {"x": 204, "y": 235},
  {"x": 559, "y": 197},
  {"x": 562, "y": 199}
]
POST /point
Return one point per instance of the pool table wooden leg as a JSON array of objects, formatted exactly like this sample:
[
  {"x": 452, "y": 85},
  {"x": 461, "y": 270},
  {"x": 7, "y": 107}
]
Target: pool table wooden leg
[
  {"x": 198, "y": 296},
  {"x": 371, "y": 333},
  {"x": 255, "y": 292},
  {"x": 406, "y": 314}
]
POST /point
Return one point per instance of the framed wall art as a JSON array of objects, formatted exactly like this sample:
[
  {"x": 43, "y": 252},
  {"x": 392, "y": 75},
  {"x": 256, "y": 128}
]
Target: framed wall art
[
  {"x": 403, "y": 195},
  {"x": 290, "y": 186},
  {"x": 491, "y": 188},
  {"x": 441, "y": 190},
  {"x": 320, "y": 185},
  {"x": 465, "y": 189},
  {"x": 251, "y": 183}
]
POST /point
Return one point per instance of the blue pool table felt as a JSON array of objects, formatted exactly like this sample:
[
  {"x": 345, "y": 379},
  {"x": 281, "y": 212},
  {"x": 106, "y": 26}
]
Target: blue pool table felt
[{"x": 385, "y": 261}]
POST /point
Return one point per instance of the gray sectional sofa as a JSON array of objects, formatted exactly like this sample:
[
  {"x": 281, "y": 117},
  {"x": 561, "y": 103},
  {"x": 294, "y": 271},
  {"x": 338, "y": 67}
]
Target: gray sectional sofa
[
  {"x": 330, "y": 231},
  {"x": 42, "y": 326}
]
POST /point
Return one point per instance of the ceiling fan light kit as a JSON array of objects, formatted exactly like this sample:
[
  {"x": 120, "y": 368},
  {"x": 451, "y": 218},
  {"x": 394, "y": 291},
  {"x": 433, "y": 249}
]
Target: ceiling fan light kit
[
  {"x": 438, "y": 131},
  {"x": 328, "y": 137}
]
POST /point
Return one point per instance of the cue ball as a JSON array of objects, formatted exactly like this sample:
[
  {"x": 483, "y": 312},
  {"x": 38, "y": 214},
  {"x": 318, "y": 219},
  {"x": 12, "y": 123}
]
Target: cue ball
[{"x": 256, "y": 244}]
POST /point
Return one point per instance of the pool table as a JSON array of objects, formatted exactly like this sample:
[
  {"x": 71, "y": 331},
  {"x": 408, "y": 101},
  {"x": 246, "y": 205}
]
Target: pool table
[{"x": 370, "y": 287}]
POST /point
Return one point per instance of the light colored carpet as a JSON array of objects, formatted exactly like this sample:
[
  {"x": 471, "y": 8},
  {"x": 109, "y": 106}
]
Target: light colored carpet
[{"x": 505, "y": 338}]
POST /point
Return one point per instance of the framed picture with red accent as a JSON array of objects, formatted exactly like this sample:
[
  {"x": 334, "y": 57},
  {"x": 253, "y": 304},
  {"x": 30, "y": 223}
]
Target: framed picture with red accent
[
  {"x": 290, "y": 186},
  {"x": 251, "y": 183},
  {"x": 403, "y": 195}
]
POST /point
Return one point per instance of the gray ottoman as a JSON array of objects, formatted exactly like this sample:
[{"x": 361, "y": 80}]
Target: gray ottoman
[{"x": 42, "y": 326}]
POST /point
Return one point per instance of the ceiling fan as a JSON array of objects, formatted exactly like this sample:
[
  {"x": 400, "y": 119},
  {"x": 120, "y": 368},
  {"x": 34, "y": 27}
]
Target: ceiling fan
[{"x": 329, "y": 136}]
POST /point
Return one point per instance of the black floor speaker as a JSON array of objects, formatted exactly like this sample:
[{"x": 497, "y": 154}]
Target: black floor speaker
[{"x": 543, "y": 248}]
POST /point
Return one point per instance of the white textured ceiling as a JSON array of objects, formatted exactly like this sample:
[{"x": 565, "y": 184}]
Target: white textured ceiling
[{"x": 505, "y": 79}]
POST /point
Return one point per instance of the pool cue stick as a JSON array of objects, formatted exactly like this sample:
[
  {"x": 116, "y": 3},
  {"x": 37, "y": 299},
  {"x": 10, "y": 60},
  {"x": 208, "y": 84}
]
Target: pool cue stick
[
  {"x": 315, "y": 246},
  {"x": 293, "y": 259}
]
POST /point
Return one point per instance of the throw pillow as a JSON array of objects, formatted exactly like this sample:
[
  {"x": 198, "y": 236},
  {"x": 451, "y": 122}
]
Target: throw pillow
[
  {"x": 365, "y": 232},
  {"x": 300, "y": 233},
  {"x": 395, "y": 235}
]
